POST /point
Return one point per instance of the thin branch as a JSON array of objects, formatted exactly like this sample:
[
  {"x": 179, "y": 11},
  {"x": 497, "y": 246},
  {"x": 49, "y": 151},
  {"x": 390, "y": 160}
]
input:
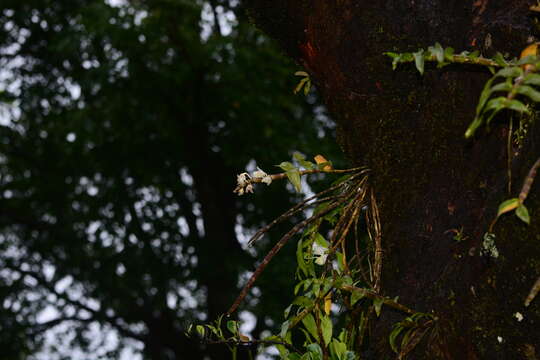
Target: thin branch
[
  {"x": 534, "y": 291},
  {"x": 374, "y": 222},
  {"x": 291, "y": 212},
  {"x": 459, "y": 59},
  {"x": 528, "y": 182},
  {"x": 41, "y": 327}
]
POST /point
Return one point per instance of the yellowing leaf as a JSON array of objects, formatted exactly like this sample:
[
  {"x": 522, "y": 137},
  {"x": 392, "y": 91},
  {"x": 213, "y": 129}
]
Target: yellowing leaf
[
  {"x": 507, "y": 206},
  {"x": 244, "y": 338},
  {"x": 529, "y": 50},
  {"x": 328, "y": 303},
  {"x": 319, "y": 159}
]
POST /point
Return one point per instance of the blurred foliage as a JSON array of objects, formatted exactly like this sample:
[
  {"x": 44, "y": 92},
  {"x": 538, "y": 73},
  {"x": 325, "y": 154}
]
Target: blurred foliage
[{"x": 123, "y": 126}]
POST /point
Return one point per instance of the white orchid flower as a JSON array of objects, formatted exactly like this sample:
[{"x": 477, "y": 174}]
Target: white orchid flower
[
  {"x": 267, "y": 179},
  {"x": 259, "y": 174},
  {"x": 242, "y": 179},
  {"x": 320, "y": 253}
]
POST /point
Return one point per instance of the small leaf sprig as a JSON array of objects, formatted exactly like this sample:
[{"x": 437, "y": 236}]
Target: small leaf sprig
[
  {"x": 518, "y": 77},
  {"x": 517, "y": 204},
  {"x": 245, "y": 181},
  {"x": 445, "y": 56},
  {"x": 305, "y": 83},
  {"x": 412, "y": 329}
]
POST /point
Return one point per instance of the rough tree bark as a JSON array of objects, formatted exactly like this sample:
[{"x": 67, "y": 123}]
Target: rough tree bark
[{"x": 409, "y": 130}]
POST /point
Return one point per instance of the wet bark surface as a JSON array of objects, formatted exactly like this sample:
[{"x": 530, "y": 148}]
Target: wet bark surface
[{"x": 428, "y": 178}]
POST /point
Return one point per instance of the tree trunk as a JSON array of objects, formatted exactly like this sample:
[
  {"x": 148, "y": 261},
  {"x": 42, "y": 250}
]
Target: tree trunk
[{"x": 429, "y": 180}]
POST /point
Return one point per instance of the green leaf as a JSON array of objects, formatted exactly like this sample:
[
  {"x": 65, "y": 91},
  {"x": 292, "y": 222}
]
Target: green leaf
[
  {"x": 395, "y": 59},
  {"x": 338, "y": 349},
  {"x": 302, "y": 301},
  {"x": 438, "y": 52},
  {"x": 419, "y": 60},
  {"x": 284, "y": 329},
  {"x": 300, "y": 258},
  {"x": 285, "y": 165},
  {"x": 333, "y": 215},
  {"x": 315, "y": 351},
  {"x": 301, "y": 73},
  {"x": 321, "y": 207},
  {"x": 200, "y": 330},
  {"x": 496, "y": 104},
  {"x": 499, "y": 59},
  {"x": 517, "y": 105},
  {"x": 320, "y": 240},
  {"x": 449, "y": 53},
  {"x": 474, "y": 55},
  {"x": 529, "y": 92},
  {"x": 475, "y": 124},
  {"x": 532, "y": 79},
  {"x": 232, "y": 326},
  {"x": 393, "y": 336},
  {"x": 377, "y": 303},
  {"x": 406, "y": 337},
  {"x": 294, "y": 178},
  {"x": 391, "y": 54},
  {"x": 300, "y": 85},
  {"x": 287, "y": 311},
  {"x": 298, "y": 156},
  {"x": 326, "y": 328},
  {"x": 507, "y": 206},
  {"x": 484, "y": 96},
  {"x": 523, "y": 214},
  {"x": 356, "y": 295},
  {"x": 214, "y": 330},
  {"x": 530, "y": 59},
  {"x": 307, "y": 87},
  {"x": 349, "y": 355},
  {"x": 283, "y": 352},
  {"x": 302, "y": 160},
  {"x": 310, "y": 325},
  {"x": 505, "y": 86},
  {"x": 308, "y": 165},
  {"x": 339, "y": 259},
  {"x": 511, "y": 71}
]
